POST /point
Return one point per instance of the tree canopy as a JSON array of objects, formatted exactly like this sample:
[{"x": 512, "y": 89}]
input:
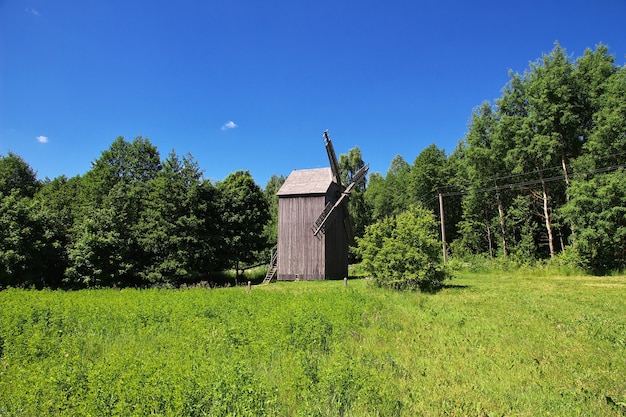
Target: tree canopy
[
  {"x": 131, "y": 220},
  {"x": 244, "y": 214},
  {"x": 522, "y": 180}
]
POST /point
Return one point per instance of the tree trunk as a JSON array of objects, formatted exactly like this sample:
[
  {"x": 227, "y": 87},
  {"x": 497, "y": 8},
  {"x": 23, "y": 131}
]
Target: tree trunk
[
  {"x": 546, "y": 215},
  {"x": 567, "y": 184},
  {"x": 502, "y": 227},
  {"x": 490, "y": 244},
  {"x": 567, "y": 181},
  {"x": 443, "y": 229}
]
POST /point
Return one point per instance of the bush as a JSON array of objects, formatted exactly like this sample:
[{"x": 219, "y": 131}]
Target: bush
[{"x": 403, "y": 252}]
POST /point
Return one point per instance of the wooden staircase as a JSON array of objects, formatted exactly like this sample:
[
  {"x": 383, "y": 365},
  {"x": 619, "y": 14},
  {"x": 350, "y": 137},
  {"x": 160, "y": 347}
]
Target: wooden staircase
[{"x": 272, "y": 268}]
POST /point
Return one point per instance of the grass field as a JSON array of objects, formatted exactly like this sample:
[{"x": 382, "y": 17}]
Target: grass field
[{"x": 486, "y": 345}]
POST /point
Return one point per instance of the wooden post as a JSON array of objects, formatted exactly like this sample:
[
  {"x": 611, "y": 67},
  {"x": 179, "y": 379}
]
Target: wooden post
[{"x": 443, "y": 228}]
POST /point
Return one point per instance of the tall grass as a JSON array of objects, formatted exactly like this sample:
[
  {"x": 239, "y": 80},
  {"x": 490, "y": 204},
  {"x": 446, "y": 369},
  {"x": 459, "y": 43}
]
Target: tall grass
[{"x": 506, "y": 344}]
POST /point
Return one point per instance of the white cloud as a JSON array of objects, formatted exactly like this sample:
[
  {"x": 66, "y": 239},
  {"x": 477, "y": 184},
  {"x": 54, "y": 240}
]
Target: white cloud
[
  {"x": 32, "y": 11},
  {"x": 42, "y": 139},
  {"x": 229, "y": 125}
]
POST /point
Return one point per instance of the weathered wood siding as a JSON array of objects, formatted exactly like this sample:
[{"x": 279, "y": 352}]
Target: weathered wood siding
[
  {"x": 336, "y": 248},
  {"x": 300, "y": 254}
]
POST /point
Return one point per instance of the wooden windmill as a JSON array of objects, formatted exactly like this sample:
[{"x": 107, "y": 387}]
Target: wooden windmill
[{"x": 314, "y": 227}]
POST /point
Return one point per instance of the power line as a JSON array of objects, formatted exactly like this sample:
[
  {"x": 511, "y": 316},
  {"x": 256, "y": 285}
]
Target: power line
[
  {"x": 533, "y": 182},
  {"x": 509, "y": 176},
  {"x": 559, "y": 167}
]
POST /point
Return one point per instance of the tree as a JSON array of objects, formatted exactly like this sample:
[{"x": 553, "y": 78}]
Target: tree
[
  {"x": 61, "y": 196},
  {"x": 597, "y": 201},
  {"x": 349, "y": 165},
  {"x": 551, "y": 131},
  {"x": 402, "y": 252},
  {"x": 456, "y": 181},
  {"x": 524, "y": 235},
  {"x": 168, "y": 230},
  {"x": 270, "y": 192},
  {"x": 598, "y": 208},
  {"x": 428, "y": 175},
  {"x": 31, "y": 242},
  {"x": 133, "y": 162},
  {"x": 29, "y": 249},
  {"x": 59, "y": 202},
  {"x": 388, "y": 196},
  {"x": 105, "y": 251},
  {"x": 16, "y": 174},
  {"x": 591, "y": 72},
  {"x": 607, "y": 140},
  {"x": 375, "y": 196},
  {"x": 210, "y": 252},
  {"x": 485, "y": 163},
  {"x": 99, "y": 256},
  {"x": 244, "y": 214}
]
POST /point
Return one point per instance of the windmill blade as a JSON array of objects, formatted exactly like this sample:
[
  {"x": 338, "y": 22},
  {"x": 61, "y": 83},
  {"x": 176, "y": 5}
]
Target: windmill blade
[
  {"x": 358, "y": 177},
  {"x": 332, "y": 158},
  {"x": 326, "y": 216},
  {"x": 320, "y": 224},
  {"x": 347, "y": 219},
  {"x": 360, "y": 174}
]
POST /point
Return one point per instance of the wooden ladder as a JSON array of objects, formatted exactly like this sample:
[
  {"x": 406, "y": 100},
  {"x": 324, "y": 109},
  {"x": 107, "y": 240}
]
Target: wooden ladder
[{"x": 273, "y": 267}]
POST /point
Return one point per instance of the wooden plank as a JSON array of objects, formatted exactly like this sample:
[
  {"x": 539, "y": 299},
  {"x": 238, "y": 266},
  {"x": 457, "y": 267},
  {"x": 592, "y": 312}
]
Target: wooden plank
[{"x": 300, "y": 253}]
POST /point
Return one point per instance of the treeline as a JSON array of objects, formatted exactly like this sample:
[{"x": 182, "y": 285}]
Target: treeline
[
  {"x": 131, "y": 220},
  {"x": 539, "y": 174}
]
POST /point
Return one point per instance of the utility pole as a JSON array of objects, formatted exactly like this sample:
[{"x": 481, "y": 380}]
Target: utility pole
[{"x": 443, "y": 228}]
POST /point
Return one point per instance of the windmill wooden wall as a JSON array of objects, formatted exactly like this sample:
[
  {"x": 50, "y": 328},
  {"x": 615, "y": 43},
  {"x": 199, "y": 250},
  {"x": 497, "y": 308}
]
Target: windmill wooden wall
[{"x": 301, "y": 255}]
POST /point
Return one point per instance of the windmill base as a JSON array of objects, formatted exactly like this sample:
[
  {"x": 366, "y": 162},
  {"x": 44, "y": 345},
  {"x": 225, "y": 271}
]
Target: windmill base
[{"x": 300, "y": 277}]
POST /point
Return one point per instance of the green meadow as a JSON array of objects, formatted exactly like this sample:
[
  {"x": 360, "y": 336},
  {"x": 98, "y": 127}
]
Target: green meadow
[{"x": 518, "y": 344}]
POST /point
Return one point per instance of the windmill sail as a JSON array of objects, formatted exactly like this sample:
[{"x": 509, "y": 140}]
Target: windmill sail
[
  {"x": 332, "y": 158},
  {"x": 320, "y": 224},
  {"x": 360, "y": 175}
]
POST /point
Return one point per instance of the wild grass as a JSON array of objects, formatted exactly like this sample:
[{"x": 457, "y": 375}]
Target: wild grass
[{"x": 486, "y": 345}]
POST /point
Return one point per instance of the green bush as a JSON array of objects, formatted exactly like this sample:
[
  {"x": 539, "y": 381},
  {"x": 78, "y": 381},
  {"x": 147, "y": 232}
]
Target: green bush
[{"x": 403, "y": 252}]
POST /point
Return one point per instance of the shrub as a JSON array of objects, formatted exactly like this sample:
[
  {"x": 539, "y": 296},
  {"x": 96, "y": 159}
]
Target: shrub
[{"x": 403, "y": 252}]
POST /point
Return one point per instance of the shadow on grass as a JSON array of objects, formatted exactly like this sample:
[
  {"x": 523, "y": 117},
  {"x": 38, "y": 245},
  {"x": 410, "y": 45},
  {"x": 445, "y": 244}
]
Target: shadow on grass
[
  {"x": 438, "y": 288},
  {"x": 455, "y": 287}
]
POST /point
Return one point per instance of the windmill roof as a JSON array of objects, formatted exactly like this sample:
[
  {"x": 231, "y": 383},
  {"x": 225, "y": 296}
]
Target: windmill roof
[{"x": 307, "y": 181}]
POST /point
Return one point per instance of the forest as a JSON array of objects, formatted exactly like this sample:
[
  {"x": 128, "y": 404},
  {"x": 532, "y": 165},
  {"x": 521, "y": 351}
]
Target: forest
[{"x": 538, "y": 177}]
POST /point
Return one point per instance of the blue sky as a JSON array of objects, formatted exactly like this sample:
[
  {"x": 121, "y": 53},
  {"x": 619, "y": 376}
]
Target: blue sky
[{"x": 252, "y": 85}]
